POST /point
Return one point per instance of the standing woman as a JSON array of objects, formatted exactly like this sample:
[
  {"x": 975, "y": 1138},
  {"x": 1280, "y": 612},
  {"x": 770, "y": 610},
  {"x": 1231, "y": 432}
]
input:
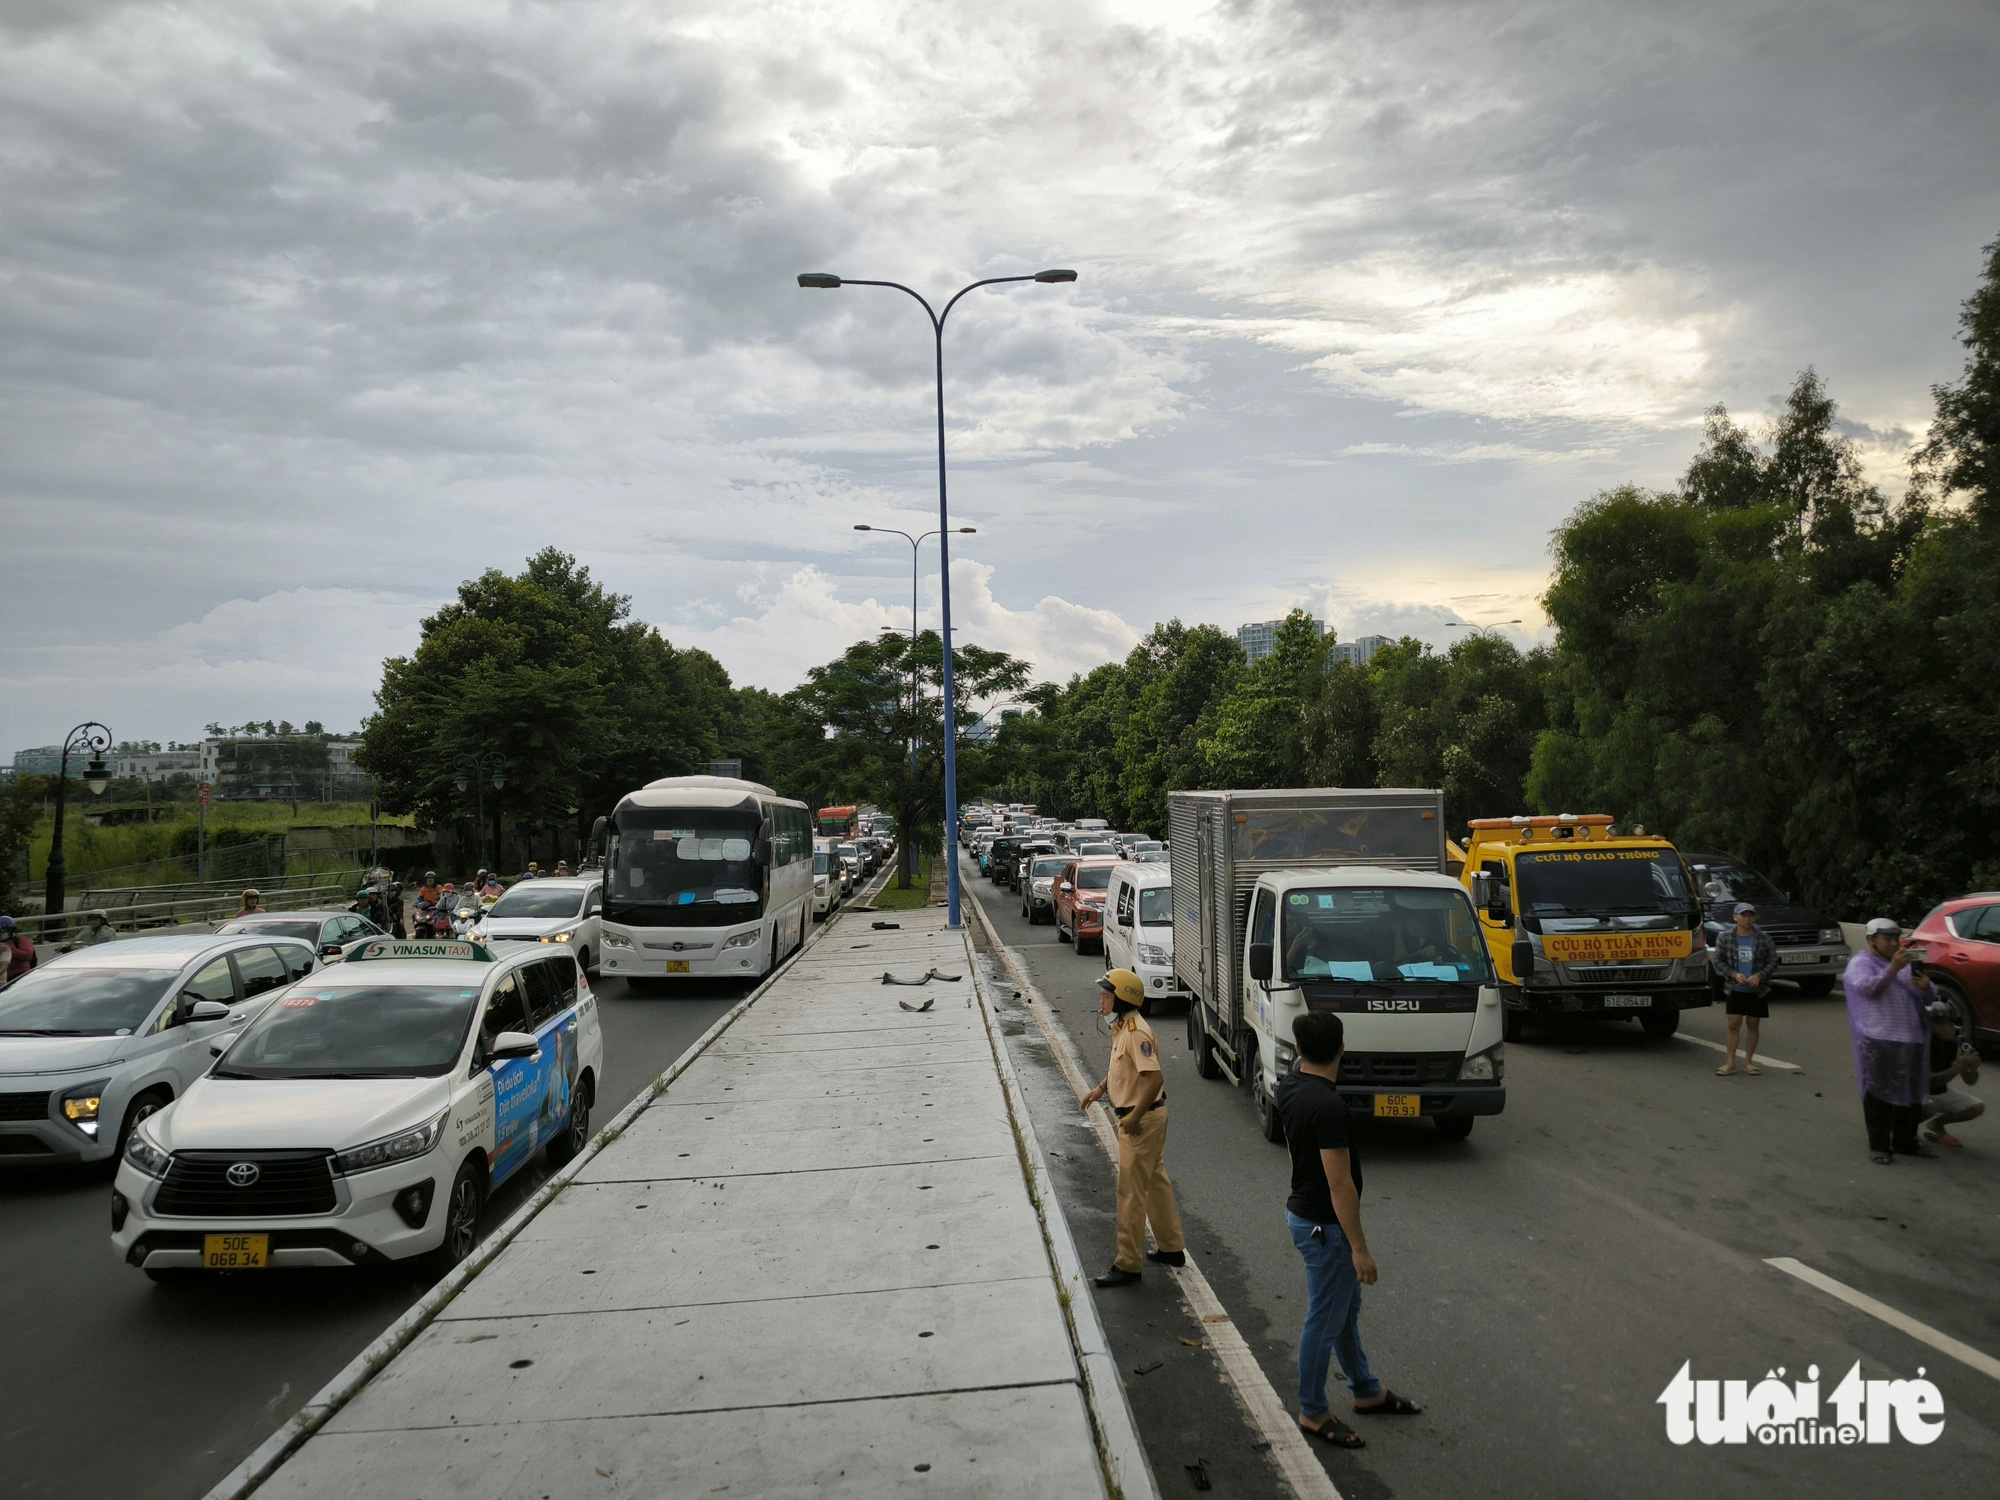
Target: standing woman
[{"x": 1886, "y": 1013}]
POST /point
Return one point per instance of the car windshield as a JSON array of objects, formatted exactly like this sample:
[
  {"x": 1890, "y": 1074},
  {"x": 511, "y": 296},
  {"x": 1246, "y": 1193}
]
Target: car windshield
[
  {"x": 1601, "y": 881},
  {"x": 1720, "y": 882},
  {"x": 1383, "y": 933},
  {"x": 1089, "y": 849},
  {"x": 308, "y": 930},
  {"x": 59, "y": 1001},
  {"x": 686, "y": 857},
  {"x": 533, "y": 899},
  {"x": 822, "y": 863},
  {"x": 1097, "y": 878},
  {"x": 1156, "y": 906},
  {"x": 850, "y": 850},
  {"x": 1046, "y": 869},
  {"x": 400, "y": 1031}
]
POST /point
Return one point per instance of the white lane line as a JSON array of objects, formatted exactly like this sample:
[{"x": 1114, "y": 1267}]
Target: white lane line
[
  {"x": 1923, "y": 1333},
  {"x": 1294, "y": 1455},
  {"x": 1762, "y": 1060}
]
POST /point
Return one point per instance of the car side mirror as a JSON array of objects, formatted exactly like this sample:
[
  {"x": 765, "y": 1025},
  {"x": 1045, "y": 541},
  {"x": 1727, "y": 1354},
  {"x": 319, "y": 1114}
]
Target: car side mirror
[
  {"x": 207, "y": 1010},
  {"x": 515, "y": 1044},
  {"x": 1524, "y": 959},
  {"x": 1482, "y": 889},
  {"x": 329, "y": 950},
  {"x": 1065, "y": 886},
  {"x": 1260, "y": 962}
]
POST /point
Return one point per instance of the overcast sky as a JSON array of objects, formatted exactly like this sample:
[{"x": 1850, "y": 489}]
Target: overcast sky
[{"x": 310, "y": 311}]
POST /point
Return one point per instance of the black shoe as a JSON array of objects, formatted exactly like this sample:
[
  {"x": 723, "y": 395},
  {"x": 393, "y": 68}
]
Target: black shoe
[
  {"x": 1116, "y": 1276},
  {"x": 1167, "y": 1257}
]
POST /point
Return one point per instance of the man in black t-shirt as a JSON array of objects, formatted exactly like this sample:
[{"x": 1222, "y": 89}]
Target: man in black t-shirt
[{"x": 1324, "y": 1215}]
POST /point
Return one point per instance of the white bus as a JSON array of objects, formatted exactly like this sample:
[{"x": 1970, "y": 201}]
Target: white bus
[{"x": 705, "y": 876}]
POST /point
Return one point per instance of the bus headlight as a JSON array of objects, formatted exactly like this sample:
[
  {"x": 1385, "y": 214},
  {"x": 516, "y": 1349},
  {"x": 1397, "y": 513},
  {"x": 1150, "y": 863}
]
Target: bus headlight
[
  {"x": 612, "y": 939},
  {"x": 744, "y": 939}
]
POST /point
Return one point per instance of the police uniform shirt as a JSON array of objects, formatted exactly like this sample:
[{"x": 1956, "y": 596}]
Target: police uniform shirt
[{"x": 1134, "y": 1052}]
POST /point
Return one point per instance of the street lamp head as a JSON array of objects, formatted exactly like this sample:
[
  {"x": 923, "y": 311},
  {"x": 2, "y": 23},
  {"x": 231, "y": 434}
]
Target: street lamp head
[
  {"x": 96, "y": 776},
  {"x": 499, "y": 780},
  {"x": 825, "y": 282},
  {"x": 864, "y": 528},
  {"x": 1055, "y": 275},
  {"x": 968, "y": 530},
  {"x": 462, "y": 782}
]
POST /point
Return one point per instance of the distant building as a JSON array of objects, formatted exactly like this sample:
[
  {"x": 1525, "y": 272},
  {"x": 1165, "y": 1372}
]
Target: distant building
[
  {"x": 157, "y": 765},
  {"x": 43, "y": 760},
  {"x": 1361, "y": 649},
  {"x": 990, "y": 721},
  {"x": 1259, "y": 638},
  {"x": 297, "y": 767}
]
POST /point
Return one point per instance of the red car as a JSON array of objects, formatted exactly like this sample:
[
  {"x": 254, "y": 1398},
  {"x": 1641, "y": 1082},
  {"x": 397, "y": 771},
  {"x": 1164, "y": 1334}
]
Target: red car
[
  {"x": 1960, "y": 940},
  {"x": 1079, "y": 900}
]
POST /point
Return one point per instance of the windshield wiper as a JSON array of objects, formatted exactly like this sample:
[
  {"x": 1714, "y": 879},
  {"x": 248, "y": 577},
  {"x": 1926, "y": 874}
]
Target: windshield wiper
[
  {"x": 49, "y": 1031},
  {"x": 231, "y": 1073}
]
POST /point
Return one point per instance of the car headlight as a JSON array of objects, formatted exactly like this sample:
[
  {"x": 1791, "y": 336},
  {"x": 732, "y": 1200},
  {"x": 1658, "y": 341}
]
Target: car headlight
[
  {"x": 744, "y": 939},
  {"x": 612, "y": 939},
  {"x": 80, "y": 1105},
  {"x": 560, "y": 937},
  {"x": 393, "y": 1148},
  {"x": 1153, "y": 953},
  {"x": 145, "y": 1154},
  {"x": 1489, "y": 1066},
  {"x": 1832, "y": 935}
]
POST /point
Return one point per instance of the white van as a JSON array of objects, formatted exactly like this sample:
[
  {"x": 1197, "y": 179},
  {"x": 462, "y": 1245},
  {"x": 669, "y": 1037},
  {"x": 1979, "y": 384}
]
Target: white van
[{"x": 1139, "y": 927}]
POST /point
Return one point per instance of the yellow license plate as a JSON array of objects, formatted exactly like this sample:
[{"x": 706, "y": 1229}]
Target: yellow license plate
[
  {"x": 677, "y": 966},
  {"x": 236, "y": 1252},
  {"x": 1398, "y": 1106}
]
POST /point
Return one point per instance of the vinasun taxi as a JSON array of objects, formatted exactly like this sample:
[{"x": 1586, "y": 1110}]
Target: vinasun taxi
[{"x": 366, "y": 1115}]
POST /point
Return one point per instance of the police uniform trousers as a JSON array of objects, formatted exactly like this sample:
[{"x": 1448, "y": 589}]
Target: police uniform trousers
[{"x": 1145, "y": 1193}]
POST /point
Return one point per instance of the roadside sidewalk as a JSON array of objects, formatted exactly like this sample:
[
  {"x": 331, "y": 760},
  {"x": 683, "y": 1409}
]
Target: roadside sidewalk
[{"x": 814, "y": 1263}]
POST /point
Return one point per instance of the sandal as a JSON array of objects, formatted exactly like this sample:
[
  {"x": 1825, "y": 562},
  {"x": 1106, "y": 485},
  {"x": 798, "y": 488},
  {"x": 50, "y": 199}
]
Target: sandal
[
  {"x": 1335, "y": 1433},
  {"x": 1725, "y": 1070},
  {"x": 1753, "y": 1070},
  {"x": 1391, "y": 1405}
]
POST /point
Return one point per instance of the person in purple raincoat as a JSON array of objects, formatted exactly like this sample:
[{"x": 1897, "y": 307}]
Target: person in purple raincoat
[{"x": 1887, "y": 1015}]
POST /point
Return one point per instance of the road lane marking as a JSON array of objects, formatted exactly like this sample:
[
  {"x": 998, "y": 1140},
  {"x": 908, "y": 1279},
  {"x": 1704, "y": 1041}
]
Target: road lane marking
[
  {"x": 1923, "y": 1333},
  {"x": 1762, "y": 1060},
  {"x": 1294, "y": 1456}
]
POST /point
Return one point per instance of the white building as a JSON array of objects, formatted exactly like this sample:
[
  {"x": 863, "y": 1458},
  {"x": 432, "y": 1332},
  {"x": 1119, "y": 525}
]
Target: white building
[
  {"x": 157, "y": 765},
  {"x": 1361, "y": 649},
  {"x": 1260, "y": 637}
]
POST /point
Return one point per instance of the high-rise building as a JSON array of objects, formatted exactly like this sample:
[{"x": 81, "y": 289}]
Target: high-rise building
[
  {"x": 1360, "y": 649},
  {"x": 1260, "y": 637}
]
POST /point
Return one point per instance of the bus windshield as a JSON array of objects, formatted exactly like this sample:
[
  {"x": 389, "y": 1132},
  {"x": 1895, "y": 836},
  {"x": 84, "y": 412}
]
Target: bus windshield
[
  {"x": 1383, "y": 934},
  {"x": 687, "y": 857}
]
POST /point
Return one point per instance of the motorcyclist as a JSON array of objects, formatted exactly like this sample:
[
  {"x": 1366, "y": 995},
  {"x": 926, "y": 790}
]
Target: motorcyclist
[
  {"x": 533, "y": 872},
  {"x": 427, "y": 903},
  {"x": 17, "y": 952}
]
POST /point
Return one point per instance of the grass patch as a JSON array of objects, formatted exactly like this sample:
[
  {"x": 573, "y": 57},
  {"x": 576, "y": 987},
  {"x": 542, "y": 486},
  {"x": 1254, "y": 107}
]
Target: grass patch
[{"x": 919, "y": 893}]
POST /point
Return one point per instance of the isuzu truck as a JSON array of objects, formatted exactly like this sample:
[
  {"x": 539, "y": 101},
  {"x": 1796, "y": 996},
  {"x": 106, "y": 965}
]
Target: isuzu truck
[{"x": 1339, "y": 900}]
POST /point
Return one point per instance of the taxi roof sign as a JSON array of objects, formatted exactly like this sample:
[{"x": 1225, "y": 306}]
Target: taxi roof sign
[{"x": 384, "y": 948}]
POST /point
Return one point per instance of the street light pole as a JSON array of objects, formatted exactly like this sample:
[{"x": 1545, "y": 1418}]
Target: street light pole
[
  {"x": 94, "y": 737},
  {"x": 476, "y": 780},
  {"x": 909, "y": 855},
  {"x": 824, "y": 281}
]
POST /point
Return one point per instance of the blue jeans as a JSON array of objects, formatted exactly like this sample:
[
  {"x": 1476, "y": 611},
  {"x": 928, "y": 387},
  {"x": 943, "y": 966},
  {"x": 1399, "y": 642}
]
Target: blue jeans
[{"x": 1333, "y": 1317}]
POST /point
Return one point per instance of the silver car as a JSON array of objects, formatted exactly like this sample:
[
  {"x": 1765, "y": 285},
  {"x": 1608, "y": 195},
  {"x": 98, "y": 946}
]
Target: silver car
[
  {"x": 94, "y": 1041},
  {"x": 554, "y": 909}
]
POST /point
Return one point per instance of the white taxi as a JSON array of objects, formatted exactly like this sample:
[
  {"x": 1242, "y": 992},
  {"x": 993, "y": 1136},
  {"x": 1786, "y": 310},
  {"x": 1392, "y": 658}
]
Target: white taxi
[{"x": 367, "y": 1114}]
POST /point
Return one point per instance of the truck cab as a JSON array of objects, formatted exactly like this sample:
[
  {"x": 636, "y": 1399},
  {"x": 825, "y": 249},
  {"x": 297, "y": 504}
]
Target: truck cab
[
  {"x": 1399, "y": 957},
  {"x": 1581, "y": 918}
]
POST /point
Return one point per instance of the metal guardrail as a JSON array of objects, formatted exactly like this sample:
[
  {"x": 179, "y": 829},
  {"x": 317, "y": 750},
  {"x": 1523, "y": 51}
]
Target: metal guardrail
[
  {"x": 207, "y": 907},
  {"x": 119, "y": 897}
]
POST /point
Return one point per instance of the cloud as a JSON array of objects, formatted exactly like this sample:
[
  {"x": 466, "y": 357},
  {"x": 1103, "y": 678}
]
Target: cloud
[{"x": 335, "y": 301}]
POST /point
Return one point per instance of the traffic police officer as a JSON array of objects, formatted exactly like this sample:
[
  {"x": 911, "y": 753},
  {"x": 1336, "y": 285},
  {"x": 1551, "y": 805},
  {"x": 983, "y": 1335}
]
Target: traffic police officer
[{"x": 1138, "y": 1097}]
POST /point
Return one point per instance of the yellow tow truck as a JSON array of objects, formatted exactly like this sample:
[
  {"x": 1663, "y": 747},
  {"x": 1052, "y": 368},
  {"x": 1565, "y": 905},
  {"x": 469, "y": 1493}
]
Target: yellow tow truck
[{"x": 1584, "y": 918}]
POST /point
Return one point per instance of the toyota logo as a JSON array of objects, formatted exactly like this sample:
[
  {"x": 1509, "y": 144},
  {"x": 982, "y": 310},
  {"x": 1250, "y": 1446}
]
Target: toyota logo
[
  {"x": 679, "y": 946},
  {"x": 243, "y": 1173}
]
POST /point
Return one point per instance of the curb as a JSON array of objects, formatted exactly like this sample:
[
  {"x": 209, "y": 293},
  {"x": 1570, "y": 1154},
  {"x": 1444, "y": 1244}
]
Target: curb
[
  {"x": 1129, "y": 1471},
  {"x": 266, "y": 1458}
]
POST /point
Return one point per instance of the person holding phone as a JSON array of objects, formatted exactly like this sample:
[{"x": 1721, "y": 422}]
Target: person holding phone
[{"x": 1888, "y": 1017}]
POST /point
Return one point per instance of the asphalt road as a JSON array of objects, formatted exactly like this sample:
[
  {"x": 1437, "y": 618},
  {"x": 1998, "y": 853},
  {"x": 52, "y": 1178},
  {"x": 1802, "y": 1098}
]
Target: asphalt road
[
  {"x": 116, "y": 1387},
  {"x": 1542, "y": 1282}
]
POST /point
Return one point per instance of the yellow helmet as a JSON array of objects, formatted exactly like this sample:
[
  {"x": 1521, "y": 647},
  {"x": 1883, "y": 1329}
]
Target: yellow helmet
[{"x": 1124, "y": 986}]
